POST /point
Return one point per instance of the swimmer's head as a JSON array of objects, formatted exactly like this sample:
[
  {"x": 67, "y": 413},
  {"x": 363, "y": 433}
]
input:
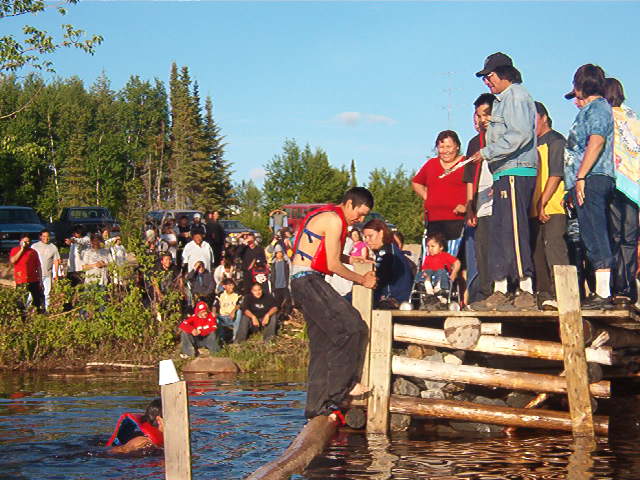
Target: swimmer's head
[{"x": 153, "y": 414}]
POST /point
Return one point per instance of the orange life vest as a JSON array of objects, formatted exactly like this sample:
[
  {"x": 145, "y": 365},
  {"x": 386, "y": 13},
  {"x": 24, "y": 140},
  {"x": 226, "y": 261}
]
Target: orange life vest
[{"x": 148, "y": 430}]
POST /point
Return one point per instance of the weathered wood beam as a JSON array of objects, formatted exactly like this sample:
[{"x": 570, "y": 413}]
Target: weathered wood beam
[
  {"x": 489, "y": 377},
  {"x": 515, "y": 347},
  {"x": 491, "y": 414},
  {"x": 380, "y": 372}
]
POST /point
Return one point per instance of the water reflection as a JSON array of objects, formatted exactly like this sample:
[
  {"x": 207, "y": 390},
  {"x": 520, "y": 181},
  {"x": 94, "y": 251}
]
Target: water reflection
[{"x": 55, "y": 428}]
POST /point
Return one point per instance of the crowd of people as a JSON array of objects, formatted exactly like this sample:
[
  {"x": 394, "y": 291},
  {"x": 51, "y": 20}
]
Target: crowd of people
[{"x": 524, "y": 199}]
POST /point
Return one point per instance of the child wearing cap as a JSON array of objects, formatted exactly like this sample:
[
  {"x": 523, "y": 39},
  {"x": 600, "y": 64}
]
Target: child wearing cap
[{"x": 199, "y": 330}]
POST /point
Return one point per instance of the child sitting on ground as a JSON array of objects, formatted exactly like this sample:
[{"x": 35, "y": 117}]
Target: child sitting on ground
[
  {"x": 199, "y": 330},
  {"x": 229, "y": 313},
  {"x": 139, "y": 432},
  {"x": 439, "y": 268}
]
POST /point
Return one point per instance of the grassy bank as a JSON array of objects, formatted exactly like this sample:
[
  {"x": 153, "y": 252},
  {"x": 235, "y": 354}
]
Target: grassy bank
[{"x": 122, "y": 324}]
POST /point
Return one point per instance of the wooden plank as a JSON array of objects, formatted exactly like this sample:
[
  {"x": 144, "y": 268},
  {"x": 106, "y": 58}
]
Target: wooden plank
[
  {"x": 310, "y": 442},
  {"x": 575, "y": 361},
  {"x": 525, "y": 314},
  {"x": 177, "y": 446},
  {"x": 510, "y": 346},
  {"x": 362, "y": 300},
  {"x": 380, "y": 372},
  {"x": 489, "y": 377},
  {"x": 491, "y": 414}
]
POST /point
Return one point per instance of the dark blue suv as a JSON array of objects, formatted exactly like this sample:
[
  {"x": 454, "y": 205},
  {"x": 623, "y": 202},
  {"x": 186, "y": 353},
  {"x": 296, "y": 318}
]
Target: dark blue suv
[{"x": 15, "y": 222}]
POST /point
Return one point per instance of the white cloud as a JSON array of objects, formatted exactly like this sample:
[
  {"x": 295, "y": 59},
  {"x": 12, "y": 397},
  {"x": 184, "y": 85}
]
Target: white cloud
[
  {"x": 353, "y": 119},
  {"x": 257, "y": 174}
]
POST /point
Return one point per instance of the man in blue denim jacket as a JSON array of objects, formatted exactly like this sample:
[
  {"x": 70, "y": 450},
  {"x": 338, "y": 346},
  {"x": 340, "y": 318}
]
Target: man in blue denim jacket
[{"x": 512, "y": 158}]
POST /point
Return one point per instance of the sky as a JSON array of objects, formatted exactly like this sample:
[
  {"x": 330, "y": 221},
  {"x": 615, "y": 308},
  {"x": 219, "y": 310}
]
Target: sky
[{"x": 370, "y": 81}]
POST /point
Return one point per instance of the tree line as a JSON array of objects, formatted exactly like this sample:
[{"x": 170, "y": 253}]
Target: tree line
[
  {"x": 305, "y": 175},
  {"x": 141, "y": 148}
]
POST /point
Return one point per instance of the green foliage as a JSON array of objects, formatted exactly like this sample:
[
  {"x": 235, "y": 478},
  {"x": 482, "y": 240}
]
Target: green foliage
[
  {"x": 302, "y": 176},
  {"x": 396, "y": 200},
  {"x": 250, "y": 209},
  {"x": 113, "y": 320},
  {"x": 30, "y": 49}
]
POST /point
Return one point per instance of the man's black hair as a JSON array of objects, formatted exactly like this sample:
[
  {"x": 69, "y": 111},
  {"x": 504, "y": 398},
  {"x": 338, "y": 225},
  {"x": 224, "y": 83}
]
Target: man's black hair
[
  {"x": 358, "y": 196},
  {"x": 166, "y": 254},
  {"x": 44, "y": 230},
  {"x": 228, "y": 281},
  {"x": 154, "y": 409},
  {"x": 589, "y": 79},
  {"x": 508, "y": 72},
  {"x": 78, "y": 229},
  {"x": 485, "y": 99},
  {"x": 542, "y": 111},
  {"x": 613, "y": 91}
]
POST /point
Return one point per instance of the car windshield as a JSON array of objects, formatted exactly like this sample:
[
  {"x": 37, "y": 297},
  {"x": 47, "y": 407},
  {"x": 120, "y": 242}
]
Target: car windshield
[
  {"x": 232, "y": 224},
  {"x": 81, "y": 214},
  {"x": 19, "y": 215}
]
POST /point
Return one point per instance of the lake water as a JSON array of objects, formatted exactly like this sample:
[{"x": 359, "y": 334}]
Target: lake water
[{"x": 55, "y": 426}]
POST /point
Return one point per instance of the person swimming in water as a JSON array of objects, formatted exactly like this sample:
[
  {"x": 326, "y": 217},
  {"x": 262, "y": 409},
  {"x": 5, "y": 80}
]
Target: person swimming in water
[{"x": 138, "y": 432}]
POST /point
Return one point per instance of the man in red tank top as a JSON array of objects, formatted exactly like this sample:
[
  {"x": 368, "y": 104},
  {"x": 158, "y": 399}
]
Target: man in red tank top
[{"x": 337, "y": 333}]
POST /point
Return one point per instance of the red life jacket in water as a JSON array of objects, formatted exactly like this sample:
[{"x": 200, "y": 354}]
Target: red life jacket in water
[
  {"x": 319, "y": 259},
  {"x": 149, "y": 431}
]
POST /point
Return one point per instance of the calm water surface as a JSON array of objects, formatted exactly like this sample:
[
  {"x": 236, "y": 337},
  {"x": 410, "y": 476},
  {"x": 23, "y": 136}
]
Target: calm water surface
[{"x": 54, "y": 427}]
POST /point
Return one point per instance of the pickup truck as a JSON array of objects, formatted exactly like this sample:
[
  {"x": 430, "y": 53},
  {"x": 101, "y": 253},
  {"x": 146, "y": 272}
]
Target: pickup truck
[
  {"x": 16, "y": 221},
  {"x": 91, "y": 219}
]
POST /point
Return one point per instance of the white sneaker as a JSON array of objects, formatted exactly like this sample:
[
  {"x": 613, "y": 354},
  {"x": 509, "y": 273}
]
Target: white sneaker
[{"x": 428, "y": 287}]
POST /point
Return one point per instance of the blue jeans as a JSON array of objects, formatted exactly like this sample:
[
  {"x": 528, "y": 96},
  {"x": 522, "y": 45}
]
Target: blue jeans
[
  {"x": 189, "y": 343},
  {"x": 437, "y": 277},
  {"x": 226, "y": 321},
  {"x": 593, "y": 220}
]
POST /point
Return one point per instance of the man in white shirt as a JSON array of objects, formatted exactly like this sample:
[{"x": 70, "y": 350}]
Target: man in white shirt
[
  {"x": 49, "y": 263},
  {"x": 197, "y": 251},
  {"x": 95, "y": 261},
  {"x": 77, "y": 244}
]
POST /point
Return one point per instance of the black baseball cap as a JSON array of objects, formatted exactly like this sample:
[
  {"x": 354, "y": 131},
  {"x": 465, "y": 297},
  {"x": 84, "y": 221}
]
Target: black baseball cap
[
  {"x": 570, "y": 95},
  {"x": 493, "y": 61}
]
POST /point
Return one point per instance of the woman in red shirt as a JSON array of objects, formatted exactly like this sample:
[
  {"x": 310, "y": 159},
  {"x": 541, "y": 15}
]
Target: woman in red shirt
[{"x": 444, "y": 198}]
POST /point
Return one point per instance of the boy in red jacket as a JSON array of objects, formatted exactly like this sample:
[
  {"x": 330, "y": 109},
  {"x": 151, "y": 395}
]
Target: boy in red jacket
[
  {"x": 199, "y": 330},
  {"x": 439, "y": 268}
]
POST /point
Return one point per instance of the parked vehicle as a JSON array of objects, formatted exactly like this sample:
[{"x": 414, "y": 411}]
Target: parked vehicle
[
  {"x": 297, "y": 211},
  {"x": 158, "y": 217},
  {"x": 91, "y": 219},
  {"x": 233, "y": 228},
  {"x": 16, "y": 221}
]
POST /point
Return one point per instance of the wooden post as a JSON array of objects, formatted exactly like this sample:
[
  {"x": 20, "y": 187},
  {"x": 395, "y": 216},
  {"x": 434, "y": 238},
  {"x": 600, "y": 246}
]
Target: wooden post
[
  {"x": 362, "y": 300},
  {"x": 175, "y": 413},
  {"x": 575, "y": 362},
  {"x": 380, "y": 371}
]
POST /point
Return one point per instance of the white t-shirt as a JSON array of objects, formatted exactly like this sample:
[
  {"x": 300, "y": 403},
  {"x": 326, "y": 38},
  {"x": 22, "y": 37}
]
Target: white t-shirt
[
  {"x": 193, "y": 253},
  {"x": 48, "y": 253},
  {"x": 96, "y": 275},
  {"x": 75, "y": 253},
  {"x": 485, "y": 199}
]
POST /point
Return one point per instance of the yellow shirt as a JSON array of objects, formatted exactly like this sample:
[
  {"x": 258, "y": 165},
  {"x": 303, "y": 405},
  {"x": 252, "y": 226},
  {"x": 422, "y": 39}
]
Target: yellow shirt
[{"x": 550, "y": 161}]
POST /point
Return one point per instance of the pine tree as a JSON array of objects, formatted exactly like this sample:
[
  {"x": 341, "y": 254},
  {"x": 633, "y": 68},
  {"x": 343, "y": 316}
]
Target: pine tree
[
  {"x": 222, "y": 192},
  {"x": 353, "y": 179}
]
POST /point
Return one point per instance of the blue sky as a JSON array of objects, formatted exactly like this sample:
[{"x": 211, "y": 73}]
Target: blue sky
[{"x": 374, "y": 82}]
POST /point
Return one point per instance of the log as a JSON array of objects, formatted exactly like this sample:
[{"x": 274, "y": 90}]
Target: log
[
  {"x": 118, "y": 365},
  {"x": 310, "y": 442},
  {"x": 489, "y": 377},
  {"x": 462, "y": 332},
  {"x": 491, "y": 414},
  {"x": 491, "y": 328},
  {"x": 575, "y": 360},
  {"x": 380, "y": 372},
  {"x": 514, "y": 347}
]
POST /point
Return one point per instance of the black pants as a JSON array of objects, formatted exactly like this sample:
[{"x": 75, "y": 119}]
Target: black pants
[
  {"x": 246, "y": 328},
  {"x": 37, "y": 294},
  {"x": 510, "y": 248},
  {"x": 623, "y": 222},
  {"x": 283, "y": 300},
  {"x": 549, "y": 249},
  {"x": 337, "y": 340},
  {"x": 485, "y": 284}
]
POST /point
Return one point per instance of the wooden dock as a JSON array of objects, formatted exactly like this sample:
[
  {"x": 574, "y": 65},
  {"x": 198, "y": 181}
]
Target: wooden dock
[{"x": 606, "y": 329}]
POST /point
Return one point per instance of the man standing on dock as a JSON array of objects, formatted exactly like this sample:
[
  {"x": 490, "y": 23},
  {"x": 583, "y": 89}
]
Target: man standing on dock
[{"x": 337, "y": 333}]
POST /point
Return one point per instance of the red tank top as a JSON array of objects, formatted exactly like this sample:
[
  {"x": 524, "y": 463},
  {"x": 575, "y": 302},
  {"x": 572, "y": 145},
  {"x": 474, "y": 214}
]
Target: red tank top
[{"x": 319, "y": 258}]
